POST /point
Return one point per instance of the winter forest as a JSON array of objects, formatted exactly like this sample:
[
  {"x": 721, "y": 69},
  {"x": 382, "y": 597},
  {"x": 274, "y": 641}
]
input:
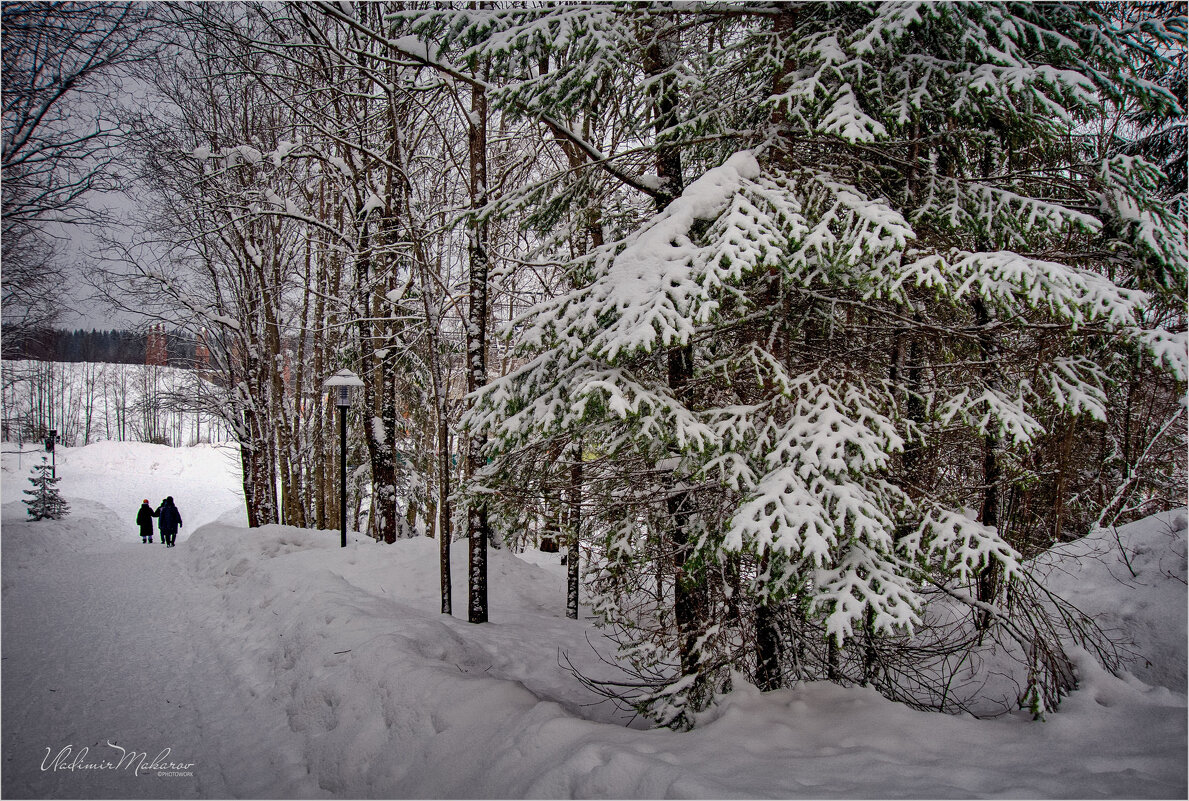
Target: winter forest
[{"x": 798, "y": 329}]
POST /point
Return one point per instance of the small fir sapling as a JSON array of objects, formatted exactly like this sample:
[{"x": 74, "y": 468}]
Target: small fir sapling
[{"x": 45, "y": 502}]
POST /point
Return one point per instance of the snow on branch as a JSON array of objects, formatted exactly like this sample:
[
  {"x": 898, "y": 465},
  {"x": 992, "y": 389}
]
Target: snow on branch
[
  {"x": 1078, "y": 296},
  {"x": 964, "y": 545},
  {"x": 820, "y": 455},
  {"x": 992, "y": 411},
  {"x": 650, "y": 285},
  {"x": 1169, "y": 350},
  {"x": 864, "y": 581}
]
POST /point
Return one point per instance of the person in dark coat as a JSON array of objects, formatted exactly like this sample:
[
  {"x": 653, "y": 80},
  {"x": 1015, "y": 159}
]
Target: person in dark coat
[
  {"x": 144, "y": 519},
  {"x": 169, "y": 520}
]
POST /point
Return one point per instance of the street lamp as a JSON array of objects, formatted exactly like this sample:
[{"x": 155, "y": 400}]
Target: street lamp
[
  {"x": 342, "y": 382},
  {"x": 49, "y": 446}
]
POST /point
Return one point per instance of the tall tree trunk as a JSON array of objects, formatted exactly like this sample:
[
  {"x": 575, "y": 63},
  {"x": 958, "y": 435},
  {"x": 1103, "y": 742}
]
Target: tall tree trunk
[
  {"x": 988, "y": 578},
  {"x": 439, "y": 508},
  {"x": 575, "y": 529},
  {"x": 768, "y": 645},
  {"x": 445, "y": 534},
  {"x": 593, "y": 239},
  {"x": 325, "y": 320},
  {"x": 477, "y": 532},
  {"x": 769, "y": 649},
  {"x": 660, "y": 55},
  {"x": 379, "y": 387},
  {"x": 688, "y": 596}
]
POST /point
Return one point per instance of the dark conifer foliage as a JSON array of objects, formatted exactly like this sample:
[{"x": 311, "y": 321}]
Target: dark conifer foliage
[
  {"x": 109, "y": 346},
  {"x": 45, "y": 502}
]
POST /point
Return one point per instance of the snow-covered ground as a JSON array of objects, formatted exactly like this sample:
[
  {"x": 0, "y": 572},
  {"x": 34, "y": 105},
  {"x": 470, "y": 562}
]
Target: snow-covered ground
[{"x": 273, "y": 663}]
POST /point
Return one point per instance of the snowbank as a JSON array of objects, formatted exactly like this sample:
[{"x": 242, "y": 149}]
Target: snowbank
[
  {"x": 297, "y": 668},
  {"x": 203, "y": 480},
  {"x": 388, "y": 693},
  {"x": 1132, "y": 581}
]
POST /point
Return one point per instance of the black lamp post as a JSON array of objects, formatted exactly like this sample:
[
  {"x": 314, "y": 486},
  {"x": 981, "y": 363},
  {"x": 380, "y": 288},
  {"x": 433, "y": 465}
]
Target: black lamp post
[
  {"x": 50, "y": 441},
  {"x": 341, "y": 383}
]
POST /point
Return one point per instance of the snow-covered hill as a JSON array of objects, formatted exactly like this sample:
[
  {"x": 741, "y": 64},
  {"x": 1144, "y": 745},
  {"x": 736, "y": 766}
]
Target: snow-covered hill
[
  {"x": 1132, "y": 581},
  {"x": 274, "y": 663}
]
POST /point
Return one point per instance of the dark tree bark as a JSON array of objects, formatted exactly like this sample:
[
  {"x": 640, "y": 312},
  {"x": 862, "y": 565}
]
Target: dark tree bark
[
  {"x": 988, "y": 578},
  {"x": 660, "y": 54},
  {"x": 768, "y": 645},
  {"x": 477, "y": 529},
  {"x": 573, "y": 582}
]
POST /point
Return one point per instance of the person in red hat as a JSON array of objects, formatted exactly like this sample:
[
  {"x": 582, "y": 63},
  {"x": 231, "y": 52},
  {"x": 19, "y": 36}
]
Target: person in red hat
[{"x": 144, "y": 519}]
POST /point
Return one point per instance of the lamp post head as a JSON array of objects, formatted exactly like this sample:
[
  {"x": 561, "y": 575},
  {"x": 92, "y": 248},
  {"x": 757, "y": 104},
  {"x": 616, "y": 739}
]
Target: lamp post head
[{"x": 342, "y": 382}]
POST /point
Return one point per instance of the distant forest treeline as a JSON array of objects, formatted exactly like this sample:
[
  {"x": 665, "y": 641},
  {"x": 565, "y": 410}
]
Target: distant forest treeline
[{"x": 110, "y": 347}]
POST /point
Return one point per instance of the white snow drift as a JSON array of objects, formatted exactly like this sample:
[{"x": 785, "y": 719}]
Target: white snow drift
[{"x": 274, "y": 663}]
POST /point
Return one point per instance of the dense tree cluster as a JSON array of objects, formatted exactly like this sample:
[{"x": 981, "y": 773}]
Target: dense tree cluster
[
  {"x": 803, "y": 326},
  {"x": 885, "y": 325},
  {"x": 113, "y": 346},
  {"x": 87, "y": 401}
]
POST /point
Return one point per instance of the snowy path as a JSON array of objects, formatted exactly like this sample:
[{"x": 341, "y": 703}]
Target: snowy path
[{"x": 153, "y": 680}]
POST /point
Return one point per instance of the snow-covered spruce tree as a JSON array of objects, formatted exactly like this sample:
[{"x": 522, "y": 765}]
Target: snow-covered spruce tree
[
  {"x": 45, "y": 502},
  {"x": 1135, "y": 128},
  {"x": 885, "y": 299},
  {"x": 1138, "y": 457}
]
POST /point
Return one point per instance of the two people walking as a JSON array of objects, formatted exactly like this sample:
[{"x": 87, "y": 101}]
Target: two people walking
[{"x": 169, "y": 520}]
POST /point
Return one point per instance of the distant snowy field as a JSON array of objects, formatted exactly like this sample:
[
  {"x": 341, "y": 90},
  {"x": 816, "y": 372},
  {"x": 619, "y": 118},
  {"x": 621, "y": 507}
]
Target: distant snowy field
[{"x": 273, "y": 663}]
